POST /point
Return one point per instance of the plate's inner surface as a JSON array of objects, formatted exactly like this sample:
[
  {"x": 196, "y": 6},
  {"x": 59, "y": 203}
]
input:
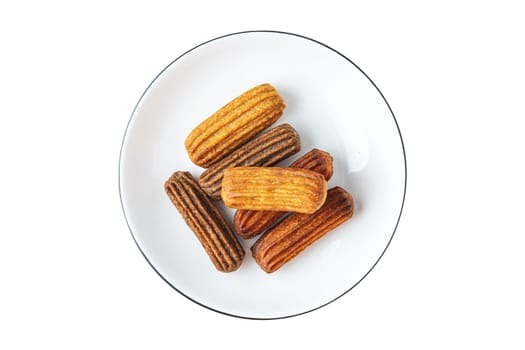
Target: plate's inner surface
[{"x": 332, "y": 105}]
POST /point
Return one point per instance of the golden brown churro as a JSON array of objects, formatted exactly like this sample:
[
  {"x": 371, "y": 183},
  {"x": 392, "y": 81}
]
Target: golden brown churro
[
  {"x": 280, "y": 189},
  {"x": 234, "y": 124},
  {"x": 249, "y": 223}
]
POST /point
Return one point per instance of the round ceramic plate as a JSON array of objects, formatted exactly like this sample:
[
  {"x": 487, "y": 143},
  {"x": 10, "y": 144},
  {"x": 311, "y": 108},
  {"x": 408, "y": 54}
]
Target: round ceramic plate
[{"x": 331, "y": 103}]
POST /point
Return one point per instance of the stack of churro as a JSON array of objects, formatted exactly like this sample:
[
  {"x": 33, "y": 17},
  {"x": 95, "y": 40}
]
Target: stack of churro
[{"x": 239, "y": 157}]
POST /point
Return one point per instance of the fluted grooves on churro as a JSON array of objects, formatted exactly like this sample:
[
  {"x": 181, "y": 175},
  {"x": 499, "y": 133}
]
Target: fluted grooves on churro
[
  {"x": 274, "y": 188},
  {"x": 316, "y": 160},
  {"x": 249, "y": 223},
  {"x": 298, "y": 231},
  {"x": 205, "y": 221},
  {"x": 281, "y": 256},
  {"x": 234, "y": 124},
  {"x": 266, "y": 149}
]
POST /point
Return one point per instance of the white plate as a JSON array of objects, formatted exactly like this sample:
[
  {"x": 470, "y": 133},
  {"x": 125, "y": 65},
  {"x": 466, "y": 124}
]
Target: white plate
[{"x": 333, "y": 105}]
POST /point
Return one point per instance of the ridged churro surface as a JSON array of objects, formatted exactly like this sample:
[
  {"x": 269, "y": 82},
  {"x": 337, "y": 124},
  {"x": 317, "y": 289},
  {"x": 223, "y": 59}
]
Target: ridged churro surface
[
  {"x": 249, "y": 223},
  {"x": 273, "y": 188},
  {"x": 205, "y": 220},
  {"x": 266, "y": 149},
  {"x": 298, "y": 231},
  {"x": 234, "y": 124}
]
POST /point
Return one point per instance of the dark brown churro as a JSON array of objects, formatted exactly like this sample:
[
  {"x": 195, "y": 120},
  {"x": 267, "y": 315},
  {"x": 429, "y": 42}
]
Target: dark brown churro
[
  {"x": 205, "y": 220},
  {"x": 267, "y": 149}
]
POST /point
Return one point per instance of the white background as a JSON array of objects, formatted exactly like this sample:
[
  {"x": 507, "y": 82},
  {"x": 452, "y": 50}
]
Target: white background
[{"x": 70, "y": 273}]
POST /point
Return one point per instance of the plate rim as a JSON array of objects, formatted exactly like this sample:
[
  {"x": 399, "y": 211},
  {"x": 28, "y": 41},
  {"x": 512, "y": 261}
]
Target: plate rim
[{"x": 133, "y": 114}]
